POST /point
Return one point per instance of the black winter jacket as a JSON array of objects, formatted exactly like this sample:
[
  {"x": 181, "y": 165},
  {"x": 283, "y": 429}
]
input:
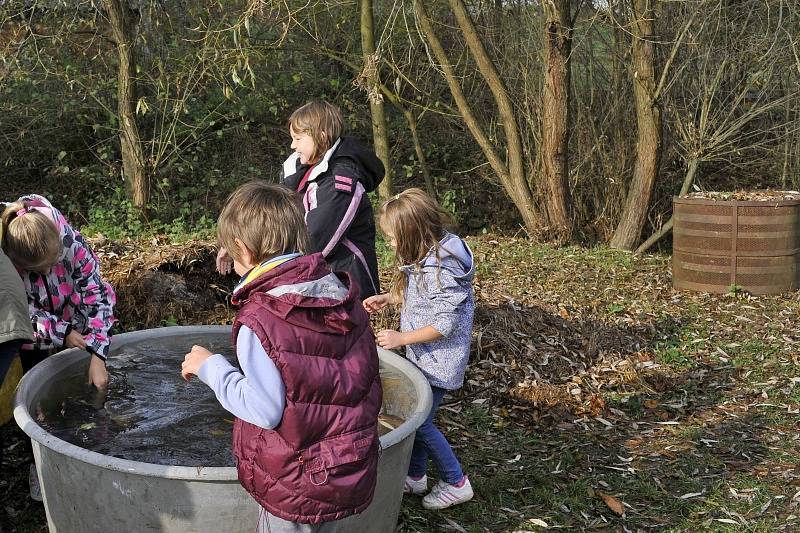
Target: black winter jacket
[{"x": 339, "y": 214}]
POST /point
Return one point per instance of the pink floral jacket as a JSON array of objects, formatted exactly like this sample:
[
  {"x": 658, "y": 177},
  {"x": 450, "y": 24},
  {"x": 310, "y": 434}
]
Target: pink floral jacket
[{"x": 73, "y": 295}]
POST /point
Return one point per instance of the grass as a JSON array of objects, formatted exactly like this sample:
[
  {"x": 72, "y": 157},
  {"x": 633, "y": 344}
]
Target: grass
[{"x": 697, "y": 453}]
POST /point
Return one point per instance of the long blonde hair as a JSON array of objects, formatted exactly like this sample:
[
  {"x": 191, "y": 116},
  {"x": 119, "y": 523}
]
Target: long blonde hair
[
  {"x": 417, "y": 223},
  {"x": 320, "y": 120},
  {"x": 29, "y": 238}
]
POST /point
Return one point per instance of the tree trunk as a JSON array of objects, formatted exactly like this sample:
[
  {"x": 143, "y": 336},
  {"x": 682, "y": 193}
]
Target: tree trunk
[
  {"x": 520, "y": 196},
  {"x": 430, "y": 186},
  {"x": 649, "y": 129},
  {"x": 663, "y": 230},
  {"x": 123, "y": 22},
  {"x": 517, "y": 178},
  {"x": 556, "y": 116},
  {"x": 380, "y": 135}
]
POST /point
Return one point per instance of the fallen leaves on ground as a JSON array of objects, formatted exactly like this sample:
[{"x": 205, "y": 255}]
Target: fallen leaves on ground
[
  {"x": 613, "y": 503},
  {"x": 619, "y": 380}
]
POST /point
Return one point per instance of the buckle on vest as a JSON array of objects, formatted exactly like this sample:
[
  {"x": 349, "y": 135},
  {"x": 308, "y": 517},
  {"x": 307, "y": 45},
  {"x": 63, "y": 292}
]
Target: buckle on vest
[
  {"x": 316, "y": 467},
  {"x": 313, "y": 472}
]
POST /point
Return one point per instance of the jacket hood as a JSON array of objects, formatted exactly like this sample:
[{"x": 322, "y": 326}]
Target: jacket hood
[
  {"x": 304, "y": 292},
  {"x": 455, "y": 256},
  {"x": 368, "y": 167}
]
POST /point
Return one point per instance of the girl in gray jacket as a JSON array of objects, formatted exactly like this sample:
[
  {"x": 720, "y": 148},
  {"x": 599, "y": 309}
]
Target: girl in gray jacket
[
  {"x": 433, "y": 282},
  {"x": 15, "y": 323}
]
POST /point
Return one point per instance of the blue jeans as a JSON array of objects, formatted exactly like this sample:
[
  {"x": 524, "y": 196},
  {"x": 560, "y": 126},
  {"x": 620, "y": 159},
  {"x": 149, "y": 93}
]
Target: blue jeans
[{"x": 430, "y": 441}]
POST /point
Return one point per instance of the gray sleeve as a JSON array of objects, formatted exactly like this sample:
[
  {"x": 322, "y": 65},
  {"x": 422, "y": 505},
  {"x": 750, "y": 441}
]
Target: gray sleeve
[
  {"x": 257, "y": 395},
  {"x": 446, "y": 297}
]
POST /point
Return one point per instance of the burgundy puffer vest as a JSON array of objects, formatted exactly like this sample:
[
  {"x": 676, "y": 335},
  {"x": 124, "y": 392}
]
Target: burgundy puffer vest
[{"x": 320, "y": 463}]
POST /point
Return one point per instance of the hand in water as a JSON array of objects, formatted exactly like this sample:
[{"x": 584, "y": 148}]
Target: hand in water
[
  {"x": 99, "y": 398},
  {"x": 98, "y": 375}
]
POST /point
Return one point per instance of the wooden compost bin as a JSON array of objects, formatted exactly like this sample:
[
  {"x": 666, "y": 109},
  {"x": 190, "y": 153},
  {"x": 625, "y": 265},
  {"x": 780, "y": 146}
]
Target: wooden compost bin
[{"x": 752, "y": 245}]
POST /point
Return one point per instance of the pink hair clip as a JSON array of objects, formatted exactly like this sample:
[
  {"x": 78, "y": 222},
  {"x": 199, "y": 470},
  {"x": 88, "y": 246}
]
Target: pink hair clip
[{"x": 22, "y": 211}]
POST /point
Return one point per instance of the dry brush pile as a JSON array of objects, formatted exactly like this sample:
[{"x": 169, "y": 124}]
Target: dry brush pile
[{"x": 533, "y": 359}]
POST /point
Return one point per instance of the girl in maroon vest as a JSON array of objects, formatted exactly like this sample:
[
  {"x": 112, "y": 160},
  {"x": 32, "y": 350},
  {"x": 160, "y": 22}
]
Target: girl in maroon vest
[
  {"x": 307, "y": 393},
  {"x": 433, "y": 282}
]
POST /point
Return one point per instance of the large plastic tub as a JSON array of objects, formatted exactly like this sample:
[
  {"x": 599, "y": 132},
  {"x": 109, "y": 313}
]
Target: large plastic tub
[{"x": 85, "y": 491}]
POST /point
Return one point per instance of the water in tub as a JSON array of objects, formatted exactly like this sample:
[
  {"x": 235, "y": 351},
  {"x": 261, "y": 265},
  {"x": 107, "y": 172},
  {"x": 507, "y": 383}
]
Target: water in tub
[{"x": 150, "y": 413}]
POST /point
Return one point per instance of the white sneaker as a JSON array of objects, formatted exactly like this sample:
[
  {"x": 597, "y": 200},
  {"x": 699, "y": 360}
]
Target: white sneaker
[
  {"x": 33, "y": 484},
  {"x": 415, "y": 486},
  {"x": 445, "y": 495}
]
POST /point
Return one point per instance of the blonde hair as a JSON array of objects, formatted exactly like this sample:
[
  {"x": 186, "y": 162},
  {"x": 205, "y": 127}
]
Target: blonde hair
[
  {"x": 267, "y": 218},
  {"x": 29, "y": 238},
  {"x": 321, "y": 121},
  {"x": 417, "y": 223}
]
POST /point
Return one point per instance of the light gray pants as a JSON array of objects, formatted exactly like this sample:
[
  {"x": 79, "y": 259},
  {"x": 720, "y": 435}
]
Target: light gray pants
[{"x": 269, "y": 523}]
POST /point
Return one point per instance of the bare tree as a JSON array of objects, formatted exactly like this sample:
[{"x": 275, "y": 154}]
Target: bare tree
[
  {"x": 512, "y": 174},
  {"x": 371, "y": 75},
  {"x": 649, "y": 136},
  {"x": 729, "y": 107},
  {"x": 556, "y": 121},
  {"x": 125, "y": 38},
  {"x": 123, "y": 21}
]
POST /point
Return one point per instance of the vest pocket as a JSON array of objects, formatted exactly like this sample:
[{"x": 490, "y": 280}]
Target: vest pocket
[{"x": 343, "y": 462}]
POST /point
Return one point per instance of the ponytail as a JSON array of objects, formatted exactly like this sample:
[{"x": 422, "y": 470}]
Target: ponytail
[{"x": 28, "y": 237}]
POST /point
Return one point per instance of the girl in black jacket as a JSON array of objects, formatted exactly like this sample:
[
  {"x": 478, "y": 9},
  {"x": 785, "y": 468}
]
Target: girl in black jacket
[{"x": 333, "y": 174}]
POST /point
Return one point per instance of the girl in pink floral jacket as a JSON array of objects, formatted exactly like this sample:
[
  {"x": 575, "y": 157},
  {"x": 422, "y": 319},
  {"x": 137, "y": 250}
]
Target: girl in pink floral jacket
[{"x": 69, "y": 302}]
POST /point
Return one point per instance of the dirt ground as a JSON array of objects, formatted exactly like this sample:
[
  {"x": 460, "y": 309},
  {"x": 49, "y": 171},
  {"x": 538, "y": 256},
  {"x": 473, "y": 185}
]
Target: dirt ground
[{"x": 597, "y": 398}]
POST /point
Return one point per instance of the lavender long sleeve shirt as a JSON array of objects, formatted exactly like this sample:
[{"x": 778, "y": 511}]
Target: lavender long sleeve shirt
[{"x": 257, "y": 394}]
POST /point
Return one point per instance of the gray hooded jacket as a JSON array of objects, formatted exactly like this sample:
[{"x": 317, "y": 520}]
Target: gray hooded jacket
[
  {"x": 15, "y": 322},
  {"x": 439, "y": 294}
]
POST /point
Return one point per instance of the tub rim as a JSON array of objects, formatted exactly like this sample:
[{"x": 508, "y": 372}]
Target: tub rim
[{"x": 54, "y": 364}]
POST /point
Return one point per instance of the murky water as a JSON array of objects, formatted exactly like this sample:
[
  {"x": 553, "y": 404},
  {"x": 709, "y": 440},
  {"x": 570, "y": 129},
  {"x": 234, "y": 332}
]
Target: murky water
[{"x": 150, "y": 413}]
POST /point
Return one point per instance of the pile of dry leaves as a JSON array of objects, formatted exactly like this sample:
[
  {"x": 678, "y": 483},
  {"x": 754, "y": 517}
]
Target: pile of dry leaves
[
  {"x": 531, "y": 359},
  {"x": 766, "y": 195},
  {"x": 161, "y": 283}
]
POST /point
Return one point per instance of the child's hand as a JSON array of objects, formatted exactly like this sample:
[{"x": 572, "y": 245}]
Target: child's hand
[
  {"x": 75, "y": 340},
  {"x": 98, "y": 374},
  {"x": 390, "y": 339},
  {"x": 224, "y": 262},
  {"x": 193, "y": 361},
  {"x": 377, "y": 302}
]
